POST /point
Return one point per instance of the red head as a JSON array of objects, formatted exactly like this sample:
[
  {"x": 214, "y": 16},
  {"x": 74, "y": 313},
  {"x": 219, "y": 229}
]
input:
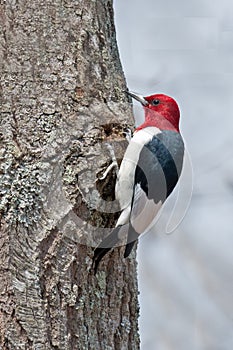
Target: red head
[{"x": 161, "y": 111}]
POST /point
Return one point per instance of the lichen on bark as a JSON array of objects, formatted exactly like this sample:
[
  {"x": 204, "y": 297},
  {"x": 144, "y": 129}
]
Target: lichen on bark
[{"x": 60, "y": 100}]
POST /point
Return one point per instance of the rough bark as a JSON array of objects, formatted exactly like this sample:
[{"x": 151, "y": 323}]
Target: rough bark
[{"x": 61, "y": 100}]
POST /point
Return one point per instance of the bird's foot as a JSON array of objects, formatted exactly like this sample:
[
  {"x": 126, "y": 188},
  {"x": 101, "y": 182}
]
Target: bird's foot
[
  {"x": 114, "y": 163},
  {"x": 128, "y": 134}
]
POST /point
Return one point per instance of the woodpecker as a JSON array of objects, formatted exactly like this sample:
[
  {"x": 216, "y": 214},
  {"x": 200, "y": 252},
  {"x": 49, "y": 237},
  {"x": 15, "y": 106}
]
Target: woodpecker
[{"x": 148, "y": 173}]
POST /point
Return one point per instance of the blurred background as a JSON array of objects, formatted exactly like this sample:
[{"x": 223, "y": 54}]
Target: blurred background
[{"x": 185, "y": 49}]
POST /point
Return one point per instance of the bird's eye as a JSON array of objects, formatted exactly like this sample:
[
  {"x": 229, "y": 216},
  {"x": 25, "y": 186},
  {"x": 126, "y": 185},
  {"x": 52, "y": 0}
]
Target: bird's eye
[{"x": 155, "y": 102}]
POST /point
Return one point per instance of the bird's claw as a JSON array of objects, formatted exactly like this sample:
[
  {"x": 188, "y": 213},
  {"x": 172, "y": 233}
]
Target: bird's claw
[
  {"x": 109, "y": 168},
  {"x": 128, "y": 134},
  {"x": 114, "y": 163}
]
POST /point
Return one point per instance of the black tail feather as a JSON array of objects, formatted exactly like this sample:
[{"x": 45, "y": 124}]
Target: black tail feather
[
  {"x": 101, "y": 253},
  {"x": 132, "y": 237},
  {"x": 128, "y": 249},
  {"x": 105, "y": 246},
  {"x": 110, "y": 242}
]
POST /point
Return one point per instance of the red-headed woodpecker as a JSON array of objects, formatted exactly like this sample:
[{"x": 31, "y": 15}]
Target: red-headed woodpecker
[{"x": 148, "y": 173}]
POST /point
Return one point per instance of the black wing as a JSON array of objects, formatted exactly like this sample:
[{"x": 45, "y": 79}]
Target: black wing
[
  {"x": 158, "y": 170},
  {"x": 159, "y": 166}
]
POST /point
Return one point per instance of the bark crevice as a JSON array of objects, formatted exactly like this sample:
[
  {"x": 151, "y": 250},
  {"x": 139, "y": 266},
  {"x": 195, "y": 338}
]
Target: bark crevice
[{"x": 61, "y": 100}]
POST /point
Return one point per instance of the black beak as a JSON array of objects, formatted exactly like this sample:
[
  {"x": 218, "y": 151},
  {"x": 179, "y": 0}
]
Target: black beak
[{"x": 137, "y": 97}]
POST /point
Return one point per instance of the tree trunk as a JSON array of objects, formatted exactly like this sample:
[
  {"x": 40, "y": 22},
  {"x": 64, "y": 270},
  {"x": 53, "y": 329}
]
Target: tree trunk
[{"x": 61, "y": 101}]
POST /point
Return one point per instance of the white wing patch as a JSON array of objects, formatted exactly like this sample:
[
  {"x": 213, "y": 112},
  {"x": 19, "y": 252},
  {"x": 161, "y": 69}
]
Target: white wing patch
[
  {"x": 143, "y": 211},
  {"x": 125, "y": 180},
  {"x": 124, "y": 217}
]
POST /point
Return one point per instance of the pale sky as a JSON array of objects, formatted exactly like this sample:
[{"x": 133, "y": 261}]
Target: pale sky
[{"x": 185, "y": 49}]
